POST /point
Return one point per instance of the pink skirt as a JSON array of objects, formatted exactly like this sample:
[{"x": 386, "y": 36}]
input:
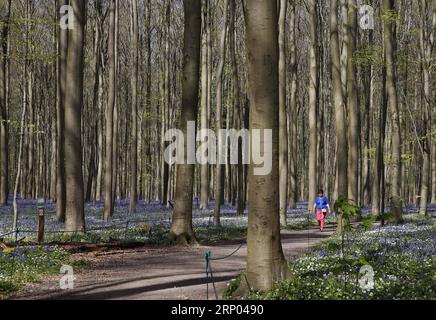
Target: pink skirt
[{"x": 320, "y": 215}]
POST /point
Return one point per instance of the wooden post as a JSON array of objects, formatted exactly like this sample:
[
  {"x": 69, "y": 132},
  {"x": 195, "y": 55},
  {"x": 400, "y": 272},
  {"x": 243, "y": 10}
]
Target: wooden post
[{"x": 41, "y": 219}]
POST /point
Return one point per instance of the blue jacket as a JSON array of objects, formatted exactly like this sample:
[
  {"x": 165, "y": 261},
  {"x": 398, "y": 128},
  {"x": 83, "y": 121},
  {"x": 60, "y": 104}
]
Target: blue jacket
[{"x": 321, "y": 203}]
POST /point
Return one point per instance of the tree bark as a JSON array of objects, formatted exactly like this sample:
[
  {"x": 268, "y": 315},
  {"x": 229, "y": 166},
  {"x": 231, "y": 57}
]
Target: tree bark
[
  {"x": 425, "y": 55},
  {"x": 219, "y": 193},
  {"x": 283, "y": 126},
  {"x": 134, "y": 85},
  {"x": 204, "y": 174},
  {"x": 74, "y": 210},
  {"x": 391, "y": 86},
  {"x": 338, "y": 98},
  {"x": 108, "y": 174},
  {"x": 5, "y": 9},
  {"x": 181, "y": 228},
  {"x": 353, "y": 108},
  {"x": 293, "y": 113},
  {"x": 237, "y": 111},
  {"x": 313, "y": 94},
  {"x": 265, "y": 260}
]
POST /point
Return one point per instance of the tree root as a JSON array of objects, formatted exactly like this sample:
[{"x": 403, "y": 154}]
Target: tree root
[{"x": 184, "y": 239}]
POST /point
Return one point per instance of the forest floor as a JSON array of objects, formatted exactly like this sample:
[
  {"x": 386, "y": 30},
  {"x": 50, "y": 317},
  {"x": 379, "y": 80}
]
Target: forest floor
[
  {"x": 133, "y": 261},
  {"x": 170, "y": 273}
]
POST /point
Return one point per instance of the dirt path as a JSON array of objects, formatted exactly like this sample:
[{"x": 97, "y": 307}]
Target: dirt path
[{"x": 161, "y": 273}]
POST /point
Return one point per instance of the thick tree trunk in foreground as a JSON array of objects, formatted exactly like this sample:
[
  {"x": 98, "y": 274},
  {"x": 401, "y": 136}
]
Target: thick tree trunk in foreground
[
  {"x": 74, "y": 210},
  {"x": 283, "y": 129},
  {"x": 391, "y": 86},
  {"x": 181, "y": 228},
  {"x": 338, "y": 98},
  {"x": 265, "y": 260}
]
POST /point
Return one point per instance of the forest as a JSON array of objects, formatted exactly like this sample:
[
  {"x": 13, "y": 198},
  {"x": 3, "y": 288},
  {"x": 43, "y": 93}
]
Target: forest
[{"x": 303, "y": 130}]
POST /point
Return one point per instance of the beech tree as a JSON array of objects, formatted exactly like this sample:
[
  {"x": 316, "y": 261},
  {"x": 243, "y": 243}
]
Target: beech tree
[
  {"x": 134, "y": 84},
  {"x": 391, "y": 87},
  {"x": 283, "y": 130},
  {"x": 313, "y": 98},
  {"x": 5, "y": 14},
  {"x": 219, "y": 193},
  {"x": 74, "y": 208},
  {"x": 181, "y": 228},
  {"x": 109, "y": 162},
  {"x": 338, "y": 98},
  {"x": 265, "y": 260}
]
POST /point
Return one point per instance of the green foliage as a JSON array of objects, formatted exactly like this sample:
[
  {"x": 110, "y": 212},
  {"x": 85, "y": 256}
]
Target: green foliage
[
  {"x": 368, "y": 222},
  {"x": 401, "y": 257},
  {"x": 19, "y": 266},
  {"x": 390, "y": 16},
  {"x": 298, "y": 224},
  {"x": 232, "y": 286},
  {"x": 213, "y": 234},
  {"x": 347, "y": 210},
  {"x": 370, "y": 55},
  {"x": 81, "y": 263}
]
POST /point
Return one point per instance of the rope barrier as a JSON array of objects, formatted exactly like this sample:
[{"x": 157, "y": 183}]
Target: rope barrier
[
  {"x": 229, "y": 255},
  {"x": 208, "y": 259},
  {"x": 7, "y": 234},
  {"x": 123, "y": 223}
]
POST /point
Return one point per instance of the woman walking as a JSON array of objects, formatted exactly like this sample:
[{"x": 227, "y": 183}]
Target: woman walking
[{"x": 321, "y": 208}]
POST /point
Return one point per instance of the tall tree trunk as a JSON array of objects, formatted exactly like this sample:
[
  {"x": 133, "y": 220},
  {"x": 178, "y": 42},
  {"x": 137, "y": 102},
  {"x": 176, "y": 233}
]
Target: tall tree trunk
[
  {"x": 74, "y": 210},
  {"x": 5, "y": 9},
  {"x": 108, "y": 174},
  {"x": 433, "y": 115},
  {"x": 369, "y": 104},
  {"x": 425, "y": 55},
  {"x": 60, "y": 122},
  {"x": 353, "y": 108},
  {"x": 134, "y": 84},
  {"x": 53, "y": 120},
  {"x": 237, "y": 111},
  {"x": 219, "y": 193},
  {"x": 313, "y": 95},
  {"x": 116, "y": 125},
  {"x": 265, "y": 260},
  {"x": 204, "y": 174},
  {"x": 98, "y": 97},
  {"x": 338, "y": 98},
  {"x": 391, "y": 86},
  {"x": 166, "y": 102},
  {"x": 181, "y": 228},
  {"x": 293, "y": 112},
  {"x": 283, "y": 126}
]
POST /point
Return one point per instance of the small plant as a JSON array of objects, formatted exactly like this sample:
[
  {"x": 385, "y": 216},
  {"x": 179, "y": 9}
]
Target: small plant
[
  {"x": 29, "y": 264},
  {"x": 232, "y": 286}
]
